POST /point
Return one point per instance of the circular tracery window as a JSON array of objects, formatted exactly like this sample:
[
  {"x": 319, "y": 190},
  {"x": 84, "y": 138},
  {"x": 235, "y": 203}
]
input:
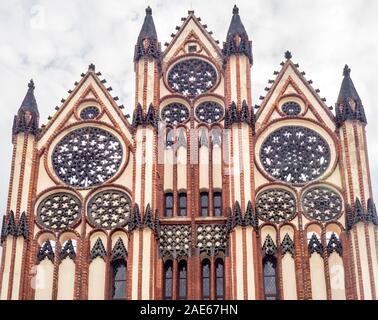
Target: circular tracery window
[
  {"x": 87, "y": 157},
  {"x": 295, "y": 154},
  {"x": 209, "y": 112},
  {"x": 322, "y": 204},
  {"x": 275, "y": 205},
  {"x": 175, "y": 113},
  {"x": 192, "y": 77},
  {"x": 89, "y": 113},
  {"x": 109, "y": 209},
  {"x": 291, "y": 108},
  {"x": 59, "y": 211}
]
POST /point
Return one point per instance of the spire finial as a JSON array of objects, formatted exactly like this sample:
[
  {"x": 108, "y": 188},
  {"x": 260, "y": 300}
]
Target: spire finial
[
  {"x": 346, "y": 71},
  {"x": 149, "y": 11},
  {"x": 288, "y": 55},
  {"x": 31, "y": 84},
  {"x": 92, "y": 67},
  {"x": 235, "y": 10}
]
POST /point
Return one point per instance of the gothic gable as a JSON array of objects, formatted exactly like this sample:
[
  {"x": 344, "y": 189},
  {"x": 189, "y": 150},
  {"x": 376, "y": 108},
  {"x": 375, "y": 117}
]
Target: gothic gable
[
  {"x": 192, "y": 33},
  {"x": 292, "y": 96},
  {"x": 89, "y": 100}
]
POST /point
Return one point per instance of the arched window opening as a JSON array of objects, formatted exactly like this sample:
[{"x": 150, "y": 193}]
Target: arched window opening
[
  {"x": 170, "y": 139},
  {"x": 168, "y": 280},
  {"x": 182, "y": 280},
  {"x": 270, "y": 278},
  {"x": 204, "y": 204},
  {"x": 217, "y": 200},
  {"x": 205, "y": 275},
  {"x": 182, "y": 204},
  {"x": 119, "y": 279},
  {"x": 216, "y": 137},
  {"x": 219, "y": 279},
  {"x": 168, "y": 204}
]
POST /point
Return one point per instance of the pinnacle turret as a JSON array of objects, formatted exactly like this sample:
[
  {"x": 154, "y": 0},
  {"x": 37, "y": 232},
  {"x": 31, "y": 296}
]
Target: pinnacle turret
[
  {"x": 237, "y": 41},
  {"x": 147, "y": 43},
  {"x": 27, "y": 117},
  {"x": 349, "y": 105}
]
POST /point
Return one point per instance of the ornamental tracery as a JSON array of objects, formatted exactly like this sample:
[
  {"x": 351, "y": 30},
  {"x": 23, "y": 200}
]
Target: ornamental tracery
[
  {"x": 89, "y": 113},
  {"x": 322, "y": 204},
  {"x": 211, "y": 238},
  {"x": 209, "y": 112},
  {"x": 87, "y": 157},
  {"x": 59, "y": 211},
  {"x": 275, "y": 205},
  {"x": 175, "y": 241},
  {"x": 109, "y": 209},
  {"x": 175, "y": 113},
  {"x": 291, "y": 108},
  {"x": 295, "y": 154},
  {"x": 192, "y": 77}
]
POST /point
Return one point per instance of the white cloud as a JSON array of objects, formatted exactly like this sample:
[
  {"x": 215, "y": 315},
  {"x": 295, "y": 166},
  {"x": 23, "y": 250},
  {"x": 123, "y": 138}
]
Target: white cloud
[{"x": 54, "y": 41}]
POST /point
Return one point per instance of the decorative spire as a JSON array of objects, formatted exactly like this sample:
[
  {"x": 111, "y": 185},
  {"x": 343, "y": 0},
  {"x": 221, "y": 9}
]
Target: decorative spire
[
  {"x": 334, "y": 245},
  {"x": 238, "y": 219},
  {"x": 151, "y": 118},
  {"x": 349, "y": 105},
  {"x": 46, "y": 251},
  {"x": 119, "y": 251},
  {"x": 237, "y": 41},
  {"x": 288, "y": 55},
  {"x": 315, "y": 245},
  {"x": 148, "y": 221},
  {"x": 135, "y": 220},
  {"x": 27, "y": 117},
  {"x": 269, "y": 248},
  {"x": 138, "y": 118},
  {"x": 98, "y": 250},
  {"x": 147, "y": 43},
  {"x": 23, "y": 228},
  {"x": 287, "y": 245},
  {"x": 68, "y": 251}
]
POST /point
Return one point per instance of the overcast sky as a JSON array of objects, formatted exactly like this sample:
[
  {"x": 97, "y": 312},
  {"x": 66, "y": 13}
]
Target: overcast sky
[{"x": 54, "y": 41}]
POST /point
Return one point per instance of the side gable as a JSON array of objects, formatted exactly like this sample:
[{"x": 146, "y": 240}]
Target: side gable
[
  {"x": 290, "y": 84},
  {"x": 90, "y": 89}
]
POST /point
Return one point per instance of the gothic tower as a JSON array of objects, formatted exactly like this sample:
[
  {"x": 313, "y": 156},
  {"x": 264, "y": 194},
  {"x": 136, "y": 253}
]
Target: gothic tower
[{"x": 202, "y": 195}]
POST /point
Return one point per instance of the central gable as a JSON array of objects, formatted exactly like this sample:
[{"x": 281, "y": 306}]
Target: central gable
[{"x": 192, "y": 33}]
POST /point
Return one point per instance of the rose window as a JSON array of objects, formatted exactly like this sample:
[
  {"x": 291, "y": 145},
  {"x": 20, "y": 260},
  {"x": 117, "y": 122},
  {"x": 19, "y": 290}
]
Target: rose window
[
  {"x": 109, "y": 209},
  {"x": 89, "y": 113},
  {"x": 291, "y": 109},
  {"x": 295, "y": 155},
  {"x": 322, "y": 204},
  {"x": 175, "y": 113},
  {"x": 276, "y": 205},
  {"x": 87, "y": 157},
  {"x": 209, "y": 112},
  {"x": 59, "y": 211},
  {"x": 192, "y": 77}
]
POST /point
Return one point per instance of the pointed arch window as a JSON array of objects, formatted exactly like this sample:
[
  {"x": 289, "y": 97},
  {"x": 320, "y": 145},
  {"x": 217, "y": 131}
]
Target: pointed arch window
[
  {"x": 182, "y": 204},
  {"x": 204, "y": 197},
  {"x": 182, "y": 280},
  {"x": 168, "y": 280},
  {"x": 219, "y": 279},
  {"x": 205, "y": 275},
  {"x": 168, "y": 204},
  {"x": 170, "y": 139},
  {"x": 119, "y": 279},
  {"x": 270, "y": 278},
  {"x": 217, "y": 204}
]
